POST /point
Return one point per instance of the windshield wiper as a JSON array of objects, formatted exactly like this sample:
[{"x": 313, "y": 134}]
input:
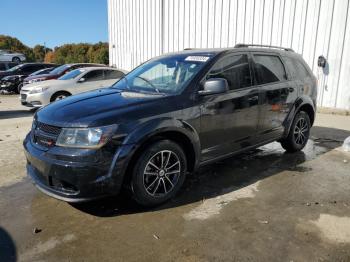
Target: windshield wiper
[{"x": 149, "y": 82}]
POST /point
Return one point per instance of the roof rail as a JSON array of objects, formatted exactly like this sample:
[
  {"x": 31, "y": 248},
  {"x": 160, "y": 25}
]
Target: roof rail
[{"x": 267, "y": 46}]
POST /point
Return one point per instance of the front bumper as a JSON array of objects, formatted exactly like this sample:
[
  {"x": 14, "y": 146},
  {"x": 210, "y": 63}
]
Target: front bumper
[
  {"x": 34, "y": 100},
  {"x": 76, "y": 175},
  {"x": 8, "y": 85}
]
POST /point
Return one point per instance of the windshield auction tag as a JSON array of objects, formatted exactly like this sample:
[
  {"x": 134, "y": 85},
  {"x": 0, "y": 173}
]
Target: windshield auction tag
[{"x": 197, "y": 58}]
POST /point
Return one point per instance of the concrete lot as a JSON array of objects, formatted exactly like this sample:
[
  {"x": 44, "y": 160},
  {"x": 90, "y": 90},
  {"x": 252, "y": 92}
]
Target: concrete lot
[{"x": 264, "y": 205}]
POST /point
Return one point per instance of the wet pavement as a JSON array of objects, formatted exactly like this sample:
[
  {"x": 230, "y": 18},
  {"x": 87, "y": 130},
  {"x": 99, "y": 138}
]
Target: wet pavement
[{"x": 263, "y": 205}]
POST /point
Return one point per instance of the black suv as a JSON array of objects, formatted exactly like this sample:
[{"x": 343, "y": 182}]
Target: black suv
[{"x": 167, "y": 117}]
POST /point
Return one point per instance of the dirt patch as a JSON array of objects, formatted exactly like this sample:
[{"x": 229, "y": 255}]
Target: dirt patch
[
  {"x": 213, "y": 206},
  {"x": 334, "y": 228}
]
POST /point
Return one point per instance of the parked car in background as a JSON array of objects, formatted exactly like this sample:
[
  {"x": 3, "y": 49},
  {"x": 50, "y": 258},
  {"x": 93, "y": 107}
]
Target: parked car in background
[
  {"x": 58, "y": 72},
  {"x": 77, "y": 81},
  {"x": 11, "y": 79},
  {"x": 168, "y": 117},
  {"x": 7, "y": 65},
  {"x": 9, "y": 56}
]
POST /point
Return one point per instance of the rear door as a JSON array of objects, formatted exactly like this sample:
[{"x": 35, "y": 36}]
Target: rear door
[
  {"x": 277, "y": 93},
  {"x": 111, "y": 76},
  {"x": 229, "y": 120}
]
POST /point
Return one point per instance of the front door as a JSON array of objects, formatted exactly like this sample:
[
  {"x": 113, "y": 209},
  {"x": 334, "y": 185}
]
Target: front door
[{"x": 229, "y": 120}]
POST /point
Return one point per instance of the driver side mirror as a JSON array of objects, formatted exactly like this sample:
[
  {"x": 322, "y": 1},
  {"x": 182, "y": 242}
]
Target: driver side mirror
[
  {"x": 81, "y": 80},
  {"x": 214, "y": 86}
]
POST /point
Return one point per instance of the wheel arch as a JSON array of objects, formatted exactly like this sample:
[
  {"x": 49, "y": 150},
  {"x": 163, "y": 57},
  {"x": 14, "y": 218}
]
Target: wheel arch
[
  {"x": 170, "y": 129},
  {"x": 303, "y": 103},
  {"x": 59, "y": 92}
]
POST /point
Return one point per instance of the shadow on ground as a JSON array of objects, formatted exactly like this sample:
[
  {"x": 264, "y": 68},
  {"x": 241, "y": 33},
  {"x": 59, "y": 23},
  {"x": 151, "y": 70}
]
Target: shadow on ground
[
  {"x": 228, "y": 175},
  {"x": 17, "y": 113}
]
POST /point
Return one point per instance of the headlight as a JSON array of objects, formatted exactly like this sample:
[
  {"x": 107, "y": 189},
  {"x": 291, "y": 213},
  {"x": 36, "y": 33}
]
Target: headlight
[
  {"x": 37, "y": 90},
  {"x": 36, "y": 80},
  {"x": 94, "y": 137}
]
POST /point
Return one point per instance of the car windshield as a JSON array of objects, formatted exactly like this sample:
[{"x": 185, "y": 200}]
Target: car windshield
[
  {"x": 72, "y": 74},
  {"x": 168, "y": 74},
  {"x": 14, "y": 68},
  {"x": 59, "y": 70}
]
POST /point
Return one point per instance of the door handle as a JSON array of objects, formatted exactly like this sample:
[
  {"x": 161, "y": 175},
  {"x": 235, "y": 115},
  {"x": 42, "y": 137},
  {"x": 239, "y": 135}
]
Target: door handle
[{"x": 291, "y": 89}]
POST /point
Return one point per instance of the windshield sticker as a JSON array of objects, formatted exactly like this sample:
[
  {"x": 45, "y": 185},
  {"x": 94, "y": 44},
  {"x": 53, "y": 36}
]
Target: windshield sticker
[{"x": 197, "y": 58}]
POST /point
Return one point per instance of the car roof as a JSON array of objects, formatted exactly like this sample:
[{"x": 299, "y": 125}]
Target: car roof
[{"x": 214, "y": 51}]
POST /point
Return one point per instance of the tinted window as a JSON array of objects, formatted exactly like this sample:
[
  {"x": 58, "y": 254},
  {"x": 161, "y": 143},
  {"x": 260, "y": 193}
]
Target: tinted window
[
  {"x": 94, "y": 75},
  {"x": 302, "y": 71},
  {"x": 113, "y": 74},
  {"x": 291, "y": 67},
  {"x": 3, "y": 67},
  {"x": 268, "y": 69},
  {"x": 235, "y": 69}
]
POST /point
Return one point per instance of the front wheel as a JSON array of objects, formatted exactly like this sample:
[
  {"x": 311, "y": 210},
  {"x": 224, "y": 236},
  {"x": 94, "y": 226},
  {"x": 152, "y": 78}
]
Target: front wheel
[
  {"x": 19, "y": 87},
  {"x": 59, "y": 96},
  {"x": 16, "y": 59},
  {"x": 159, "y": 173},
  {"x": 298, "y": 134}
]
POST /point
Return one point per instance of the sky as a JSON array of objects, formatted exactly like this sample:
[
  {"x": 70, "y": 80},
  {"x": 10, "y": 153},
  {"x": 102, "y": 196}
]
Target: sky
[{"x": 54, "y": 22}]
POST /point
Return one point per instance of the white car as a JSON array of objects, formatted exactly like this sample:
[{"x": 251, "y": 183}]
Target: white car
[
  {"x": 9, "y": 56},
  {"x": 77, "y": 81}
]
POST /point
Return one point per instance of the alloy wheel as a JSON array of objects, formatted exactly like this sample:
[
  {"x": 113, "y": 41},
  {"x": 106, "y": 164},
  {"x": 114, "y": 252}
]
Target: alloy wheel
[
  {"x": 301, "y": 131},
  {"x": 161, "y": 173},
  {"x": 60, "y": 97}
]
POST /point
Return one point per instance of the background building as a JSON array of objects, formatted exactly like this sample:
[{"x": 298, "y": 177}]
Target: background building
[{"x": 141, "y": 29}]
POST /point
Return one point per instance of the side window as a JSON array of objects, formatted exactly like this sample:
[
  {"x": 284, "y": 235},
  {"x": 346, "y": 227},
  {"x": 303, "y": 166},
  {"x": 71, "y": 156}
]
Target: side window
[
  {"x": 94, "y": 75},
  {"x": 302, "y": 71},
  {"x": 28, "y": 69},
  {"x": 113, "y": 74},
  {"x": 290, "y": 67},
  {"x": 235, "y": 69},
  {"x": 268, "y": 69}
]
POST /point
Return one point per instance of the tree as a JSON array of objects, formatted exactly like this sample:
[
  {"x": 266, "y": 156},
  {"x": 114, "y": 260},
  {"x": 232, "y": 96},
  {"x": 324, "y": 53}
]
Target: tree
[
  {"x": 40, "y": 52},
  {"x": 49, "y": 57},
  {"x": 68, "y": 53}
]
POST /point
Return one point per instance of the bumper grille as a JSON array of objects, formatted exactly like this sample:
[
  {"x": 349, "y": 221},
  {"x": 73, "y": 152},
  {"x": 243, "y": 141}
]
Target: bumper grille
[{"x": 45, "y": 135}]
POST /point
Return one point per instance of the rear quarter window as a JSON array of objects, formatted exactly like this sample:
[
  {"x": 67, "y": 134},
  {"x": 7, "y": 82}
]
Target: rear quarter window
[
  {"x": 268, "y": 69},
  {"x": 296, "y": 68}
]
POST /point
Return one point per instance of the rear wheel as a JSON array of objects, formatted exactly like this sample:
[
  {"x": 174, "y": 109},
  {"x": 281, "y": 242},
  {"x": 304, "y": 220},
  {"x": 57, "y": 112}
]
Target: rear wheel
[
  {"x": 159, "y": 173},
  {"x": 16, "y": 59},
  {"x": 299, "y": 133},
  {"x": 59, "y": 96}
]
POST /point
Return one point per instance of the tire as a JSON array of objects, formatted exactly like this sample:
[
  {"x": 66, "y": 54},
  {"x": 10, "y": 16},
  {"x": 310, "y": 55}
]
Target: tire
[
  {"x": 154, "y": 181},
  {"x": 59, "y": 96},
  {"x": 19, "y": 87},
  {"x": 16, "y": 59},
  {"x": 298, "y": 134}
]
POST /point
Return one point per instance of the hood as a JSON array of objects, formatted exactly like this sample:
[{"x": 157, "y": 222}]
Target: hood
[
  {"x": 12, "y": 77},
  {"x": 96, "y": 108},
  {"x": 46, "y": 76},
  {"x": 46, "y": 83}
]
